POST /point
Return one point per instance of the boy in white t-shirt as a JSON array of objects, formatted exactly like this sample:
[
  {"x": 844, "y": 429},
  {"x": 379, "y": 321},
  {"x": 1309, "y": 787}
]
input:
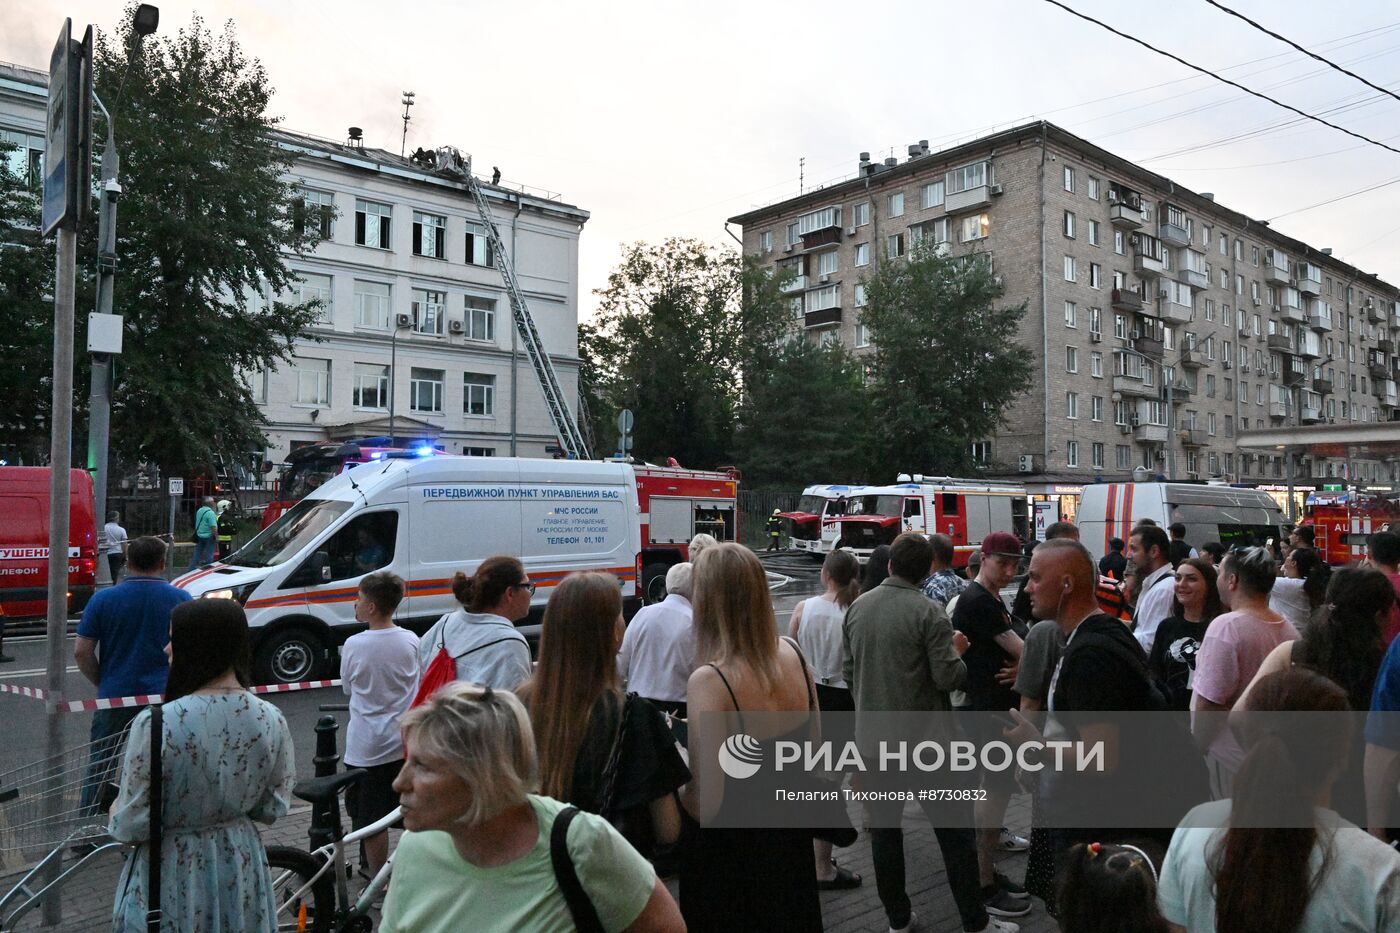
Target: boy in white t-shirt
[{"x": 379, "y": 670}]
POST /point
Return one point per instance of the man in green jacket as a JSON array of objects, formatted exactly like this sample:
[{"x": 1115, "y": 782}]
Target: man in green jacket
[
  {"x": 206, "y": 525},
  {"x": 902, "y": 655}
]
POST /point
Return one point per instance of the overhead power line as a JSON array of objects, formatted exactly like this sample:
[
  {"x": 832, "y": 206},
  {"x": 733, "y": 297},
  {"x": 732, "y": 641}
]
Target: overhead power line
[
  {"x": 1311, "y": 54},
  {"x": 1206, "y": 71}
]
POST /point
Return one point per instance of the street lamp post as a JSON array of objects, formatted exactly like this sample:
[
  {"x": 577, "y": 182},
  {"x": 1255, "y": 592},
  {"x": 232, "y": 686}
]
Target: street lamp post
[{"x": 394, "y": 328}]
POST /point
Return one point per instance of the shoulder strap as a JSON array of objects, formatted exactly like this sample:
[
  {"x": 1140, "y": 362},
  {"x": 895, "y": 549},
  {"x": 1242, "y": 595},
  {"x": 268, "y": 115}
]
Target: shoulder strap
[
  {"x": 806, "y": 679},
  {"x": 581, "y": 907},
  {"x": 513, "y": 637},
  {"x": 614, "y": 762},
  {"x": 725, "y": 680},
  {"x": 155, "y": 818}
]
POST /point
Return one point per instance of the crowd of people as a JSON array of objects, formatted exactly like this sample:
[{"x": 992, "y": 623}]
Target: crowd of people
[{"x": 556, "y": 793}]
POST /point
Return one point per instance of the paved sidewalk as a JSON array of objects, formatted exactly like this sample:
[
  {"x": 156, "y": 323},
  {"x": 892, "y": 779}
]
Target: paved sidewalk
[{"x": 87, "y": 902}]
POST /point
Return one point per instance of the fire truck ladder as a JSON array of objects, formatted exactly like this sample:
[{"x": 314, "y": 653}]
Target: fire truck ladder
[{"x": 572, "y": 439}]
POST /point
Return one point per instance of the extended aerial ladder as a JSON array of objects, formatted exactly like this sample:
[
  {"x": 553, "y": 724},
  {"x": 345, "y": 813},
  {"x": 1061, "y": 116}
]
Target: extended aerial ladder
[{"x": 451, "y": 162}]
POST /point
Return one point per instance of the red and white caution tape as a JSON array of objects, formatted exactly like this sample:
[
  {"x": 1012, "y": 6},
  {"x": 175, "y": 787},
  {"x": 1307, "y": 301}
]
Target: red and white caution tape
[{"x": 146, "y": 699}]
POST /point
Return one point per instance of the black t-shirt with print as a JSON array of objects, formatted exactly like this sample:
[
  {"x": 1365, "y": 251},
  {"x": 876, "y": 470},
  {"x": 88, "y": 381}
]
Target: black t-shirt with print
[{"x": 1173, "y": 660}]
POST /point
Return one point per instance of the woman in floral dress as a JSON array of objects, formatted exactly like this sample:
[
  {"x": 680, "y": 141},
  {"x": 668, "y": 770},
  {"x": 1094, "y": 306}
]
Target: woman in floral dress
[{"x": 227, "y": 761}]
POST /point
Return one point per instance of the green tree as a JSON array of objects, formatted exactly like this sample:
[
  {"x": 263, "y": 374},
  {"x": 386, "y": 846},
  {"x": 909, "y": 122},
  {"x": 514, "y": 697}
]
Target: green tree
[
  {"x": 681, "y": 327},
  {"x": 806, "y": 420},
  {"x": 207, "y": 221},
  {"x": 946, "y": 363}
]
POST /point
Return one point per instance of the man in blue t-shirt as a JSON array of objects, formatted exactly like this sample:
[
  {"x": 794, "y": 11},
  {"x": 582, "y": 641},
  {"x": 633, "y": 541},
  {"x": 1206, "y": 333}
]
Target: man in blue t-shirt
[
  {"x": 1382, "y": 770},
  {"x": 121, "y": 648}
]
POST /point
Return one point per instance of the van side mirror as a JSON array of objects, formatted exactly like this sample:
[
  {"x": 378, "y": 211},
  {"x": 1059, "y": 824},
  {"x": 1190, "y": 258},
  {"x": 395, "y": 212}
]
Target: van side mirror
[{"x": 321, "y": 566}]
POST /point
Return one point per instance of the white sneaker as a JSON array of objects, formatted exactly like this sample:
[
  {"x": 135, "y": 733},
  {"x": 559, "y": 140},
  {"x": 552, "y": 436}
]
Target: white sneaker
[
  {"x": 1000, "y": 926},
  {"x": 1010, "y": 842},
  {"x": 908, "y": 927}
]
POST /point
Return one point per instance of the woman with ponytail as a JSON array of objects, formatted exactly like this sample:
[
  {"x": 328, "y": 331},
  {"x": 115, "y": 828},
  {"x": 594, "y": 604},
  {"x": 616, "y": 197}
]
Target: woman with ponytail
[
  {"x": 481, "y": 637},
  {"x": 1275, "y": 858},
  {"x": 1300, "y": 594},
  {"x": 816, "y": 627}
]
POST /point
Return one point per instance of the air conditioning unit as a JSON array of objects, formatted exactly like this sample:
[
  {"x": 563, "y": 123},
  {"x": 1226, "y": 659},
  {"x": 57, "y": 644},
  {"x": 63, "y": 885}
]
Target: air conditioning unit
[
  {"x": 850, "y": 231},
  {"x": 1000, "y": 282},
  {"x": 455, "y": 327},
  {"x": 997, "y": 190},
  {"x": 1027, "y": 463},
  {"x": 1161, "y": 455},
  {"x": 1257, "y": 302},
  {"x": 1125, "y": 429},
  {"x": 1095, "y": 337},
  {"x": 404, "y": 320},
  {"x": 826, "y": 278},
  {"x": 788, "y": 248},
  {"x": 1134, "y": 420},
  {"x": 1228, "y": 364}
]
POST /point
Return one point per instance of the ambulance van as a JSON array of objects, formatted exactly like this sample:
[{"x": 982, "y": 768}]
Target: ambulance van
[
  {"x": 423, "y": 519},
  {"x": 1232, "y": 515}
]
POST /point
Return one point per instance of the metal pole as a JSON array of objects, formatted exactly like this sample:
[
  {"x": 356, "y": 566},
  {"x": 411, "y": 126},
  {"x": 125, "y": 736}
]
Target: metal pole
[
  {"x": 60, "y": 460},
  {"x": 393, "y": 375},
  {"x": 100, "y": 392},
  {"x": 1171, "y": 448}
]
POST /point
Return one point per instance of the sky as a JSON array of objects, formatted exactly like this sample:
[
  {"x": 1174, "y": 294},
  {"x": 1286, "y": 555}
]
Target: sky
[{"x": 663, "y": 119}]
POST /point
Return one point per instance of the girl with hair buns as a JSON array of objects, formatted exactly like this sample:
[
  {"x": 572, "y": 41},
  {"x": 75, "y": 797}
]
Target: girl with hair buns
[
  {"x": 477, "y": 851},
  {"x": 1300, "y": 594},
  {"x": 1231, "y": 653},
  {"x": 481, "y": 636},
  {"x": 760, "y": 879},
  {"x": 1275, "y": 858},
  {"x": 1107, "y": 888}
]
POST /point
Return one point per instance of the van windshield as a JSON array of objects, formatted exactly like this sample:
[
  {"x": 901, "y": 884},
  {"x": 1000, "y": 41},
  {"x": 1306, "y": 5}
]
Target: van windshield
[{"x": 285, "y": 538}]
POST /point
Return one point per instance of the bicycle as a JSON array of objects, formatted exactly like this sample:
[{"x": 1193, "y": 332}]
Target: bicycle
[{"x": 311, "y": 886}]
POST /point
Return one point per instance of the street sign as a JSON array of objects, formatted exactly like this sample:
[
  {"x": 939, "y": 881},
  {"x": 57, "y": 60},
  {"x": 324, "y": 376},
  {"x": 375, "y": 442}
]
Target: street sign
[
  {"x": 104, "y": 333},
  {"x": 624, "y": 421},
  {"x": 67, "y": 135},
  {"x": 177, "y": 486},
  {"x": 624, "y": 442}
]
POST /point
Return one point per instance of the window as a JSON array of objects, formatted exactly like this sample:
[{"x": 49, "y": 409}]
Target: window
[
  {"x": 894, "y": 246},
  {"x": 860, "y": 300},
  {"x": 976, "y": 226},
  {"x": 897, "y": 204},
  {"x": 1121, "y": 412},
  {"x": 1210, "y": 423},
  {"x": 1071, "y": 271},
  {"x": 933, "y": 194},
  {"x": 372, "y": 224},
  {"x": 1095, "y": 275},
  {"x": 313, "y": 381},
  {"x": 425, "y": 390},
  {"x": 1071, "y": 360},
  {"x": 1239, "y": 285},
  {"x": 479, "y": 316},
  {"x": 362, "y": 546},
  {"x": 820, "y": 299},
  {"x": 1254, "y": 255},
  {"x": 826, "y": 263},
  {"x": 1119, "y": 242},
  {"x": 1095, "y": 320},
  {"x": 312, "y": 209},
  {"x": 311, "y": 287},
  {"x": 981, "y": 451},
  {"x": 1096, "y": 408},
  {"x": 862, "y": 254},
  {"x": 818, "y": 220},
  {"x": 968, "y": 177},
  {"x": 1069, "y": 224},
  {"x": 793, "y": 236},
  {"x": 1096, "y": 364},
  {"x": 1122, "y": 456},
  {"x": 862, "y": 334},
  {"x": 429, "y": 235},
  {"x": 861, "y": 212},
  {"x": 765, "y": 245},
  {"x": 478, "y": 394},
  {"x": 1224, "y": 245},
  {"x": 256, "y": 380},
  {"x": 938, "y": 231},
  {"x": 1072, "y": 453},
  {"x": 1229, "y": 427},
  {"x": 1210, "y": 311},
  {"x": 1094, "y": 233},
  {"x": 371, "y": 389},
  {"x": 1120, "y": 326},
  {"x": 479, "y": 252},
  {"x": 371, "y": 305},
  {"x": 1093, "y": 190},
  {"x": 1072, "y": 405},
  {"x": 478, "y": 451},
  {"x": 1071, "y": 314},
  {"x": 1069, "y": 178},
  {"x": 1210, "y": 385},
  {"x": 1096, "y": 456},
  {"x": 428, "y": 308}
]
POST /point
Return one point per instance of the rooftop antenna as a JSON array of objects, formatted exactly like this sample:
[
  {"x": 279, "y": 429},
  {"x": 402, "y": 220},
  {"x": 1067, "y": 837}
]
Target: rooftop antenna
[
  {"x": 407, "y": 103},
  {"x": 801, "y": 173}
]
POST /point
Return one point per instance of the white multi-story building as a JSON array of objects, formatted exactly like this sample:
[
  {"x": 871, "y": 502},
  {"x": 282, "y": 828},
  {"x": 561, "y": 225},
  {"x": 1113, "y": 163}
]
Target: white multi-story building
[{"x": 416, "y": 340}]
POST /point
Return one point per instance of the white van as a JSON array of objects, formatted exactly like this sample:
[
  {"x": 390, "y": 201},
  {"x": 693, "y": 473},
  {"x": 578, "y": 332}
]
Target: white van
[
  {"x": 423, "y": 519},
  {"x": 1229, "y": 514}
]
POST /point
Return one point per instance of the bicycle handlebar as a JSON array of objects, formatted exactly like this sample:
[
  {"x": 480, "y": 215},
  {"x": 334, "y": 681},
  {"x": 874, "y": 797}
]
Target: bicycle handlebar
[{"x": 334, "y": 707}]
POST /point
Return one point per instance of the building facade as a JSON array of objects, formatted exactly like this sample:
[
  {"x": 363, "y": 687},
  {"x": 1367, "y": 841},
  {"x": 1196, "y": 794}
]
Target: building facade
[
  {"x": 416, "y": 338},
  {"x": 1143, "y": 296}
]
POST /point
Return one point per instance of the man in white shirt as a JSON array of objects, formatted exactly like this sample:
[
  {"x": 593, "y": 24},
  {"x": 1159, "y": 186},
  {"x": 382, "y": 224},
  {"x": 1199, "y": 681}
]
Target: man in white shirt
[
  {"x": 658, "y": 649},
  {"x": 379, "y": 670},
  {"x": 1149, "y": 549},
  {"x": 116, "y": 544}
]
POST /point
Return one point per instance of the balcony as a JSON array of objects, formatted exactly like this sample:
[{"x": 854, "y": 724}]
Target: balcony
[
  {"x": 1379, "y": 373},
  {"x": 1148, "y": 255},
  {"x": 1309, "y": 345},
  {"x": 1172, "y": 234},
  {"x": 1322, "y": 386},
  {"x": 1320, "y": 316},
  {"x": 1192, "y": 437},
  {"x": 1278, "y": 409},
  {"x": 1292, "y": 313},
  {"x": 1193, "y": 359},
  {"x": 797, "y": 283},
  {"x": 1375, "y": 310},
  {"x": 1170, "y": 308},
  {"x": 1149, "y": 347},
  {"x": 1385, "y": 344},
  {"x": 1295, "y": 373},
  {"x": 1276, "y": 268},
  {"x": 1124, "y": 214},
  {"x": 1150, "y": 433},
  {"x": 1125, "y": 299},
  {"x": 1309, "y": 276},
  {"x": 1279, "y": 342},
  {"x": 822, "y": 318},
  {"x": 1191, "y": 269},
  {"x": 1134, "y": 386},
  {"x": 1310, "y": 414},
  {"x": 827, "y": 236},
  {"x": 1181, "y": 392},
  {"x": 1384, "y": 390}
]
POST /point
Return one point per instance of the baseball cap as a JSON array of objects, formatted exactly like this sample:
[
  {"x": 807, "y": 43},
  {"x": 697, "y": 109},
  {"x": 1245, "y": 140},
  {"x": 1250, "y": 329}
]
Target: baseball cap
[{"x": 1001, "y": 543}]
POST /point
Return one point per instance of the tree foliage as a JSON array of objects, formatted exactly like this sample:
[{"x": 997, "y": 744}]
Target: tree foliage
[
  {"x": 680, "y": 329},
  {"x": 205, "y": 222},
  {"x": 946, "y": 363},
  {"x": 806, "y": 420}
]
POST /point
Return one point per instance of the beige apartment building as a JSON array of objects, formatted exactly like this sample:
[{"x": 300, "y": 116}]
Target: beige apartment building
[{"x": 1141, "y": 294}]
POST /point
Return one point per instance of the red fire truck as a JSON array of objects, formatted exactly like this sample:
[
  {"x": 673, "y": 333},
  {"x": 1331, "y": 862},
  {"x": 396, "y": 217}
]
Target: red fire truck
[
  {"x": 967, "y": 510},
  {"x": 677, "y": 504},
  {"x": 1343, "y": 520},
  {"x": 310, "y": 466},
  {"x": 24, "y": 541}
]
